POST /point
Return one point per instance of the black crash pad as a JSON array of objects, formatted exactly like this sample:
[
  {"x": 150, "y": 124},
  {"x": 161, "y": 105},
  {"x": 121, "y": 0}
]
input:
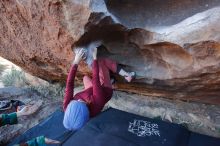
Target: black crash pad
[{"x": 117, "y": 128}]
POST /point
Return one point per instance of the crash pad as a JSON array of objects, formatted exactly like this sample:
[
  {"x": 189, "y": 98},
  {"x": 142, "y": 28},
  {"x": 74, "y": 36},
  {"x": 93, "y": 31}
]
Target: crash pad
[{"x": 118, "y": 128}]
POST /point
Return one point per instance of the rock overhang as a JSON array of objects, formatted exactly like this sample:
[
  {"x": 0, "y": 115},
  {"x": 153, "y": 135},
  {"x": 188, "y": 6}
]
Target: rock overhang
[{"x": 173, "y": 46}]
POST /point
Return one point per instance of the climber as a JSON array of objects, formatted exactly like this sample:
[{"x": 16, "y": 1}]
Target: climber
[{"x": 98, "y": 90}]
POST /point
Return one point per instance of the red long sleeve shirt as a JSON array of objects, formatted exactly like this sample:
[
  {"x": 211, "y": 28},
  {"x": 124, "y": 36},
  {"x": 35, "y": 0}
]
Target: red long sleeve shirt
[{"x": 95, "y": 97}]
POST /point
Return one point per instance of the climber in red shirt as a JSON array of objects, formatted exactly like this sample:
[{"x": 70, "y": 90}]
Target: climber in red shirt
[{"x": 98, "y": 90}]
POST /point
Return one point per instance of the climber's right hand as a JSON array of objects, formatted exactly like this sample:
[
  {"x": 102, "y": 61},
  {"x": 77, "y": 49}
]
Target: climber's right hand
[{"x": 78, "y": 56}]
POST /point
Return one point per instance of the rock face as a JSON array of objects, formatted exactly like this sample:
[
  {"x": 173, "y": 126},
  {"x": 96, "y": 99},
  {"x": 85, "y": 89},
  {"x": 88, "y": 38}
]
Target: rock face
[{"x": 174, "y": 46}]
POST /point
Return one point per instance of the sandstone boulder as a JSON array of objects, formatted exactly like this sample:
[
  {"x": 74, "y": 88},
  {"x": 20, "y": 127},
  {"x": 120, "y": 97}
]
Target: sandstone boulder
[{"x": 174, "y": 46}]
